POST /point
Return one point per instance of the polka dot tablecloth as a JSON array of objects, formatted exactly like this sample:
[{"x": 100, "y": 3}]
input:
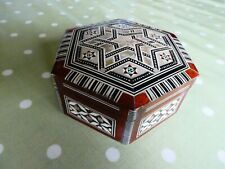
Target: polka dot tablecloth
[{"x": 35, "y": 134}]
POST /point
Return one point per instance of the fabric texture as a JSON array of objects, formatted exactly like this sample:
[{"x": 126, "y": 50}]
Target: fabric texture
[{"x": 34, "y": 133}]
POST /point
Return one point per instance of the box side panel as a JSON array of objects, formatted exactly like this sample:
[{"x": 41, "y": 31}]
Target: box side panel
[
  {"x": 92, "y": 111},
  {"x": 90, "y": 117},
  {"x": 159, "y": 115},
  {"x": 149, "y": 116}
]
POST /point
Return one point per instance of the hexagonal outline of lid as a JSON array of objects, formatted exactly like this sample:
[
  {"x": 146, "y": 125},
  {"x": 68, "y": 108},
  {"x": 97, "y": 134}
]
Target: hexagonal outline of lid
[{"x": 72, "y": 61}]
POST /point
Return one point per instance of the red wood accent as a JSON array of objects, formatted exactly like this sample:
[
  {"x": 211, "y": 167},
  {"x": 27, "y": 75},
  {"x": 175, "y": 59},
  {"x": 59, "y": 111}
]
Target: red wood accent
[
  {"x": 192, "y": 66},
  {"x": 132, "y": 102},
  {"x": 126, "y": 100},
  {"x": 59, "y": 69},
  {"x": 192, "y": 72},
  {"x": 121, "y": 122},
  {"x": 141, "y": 99}
]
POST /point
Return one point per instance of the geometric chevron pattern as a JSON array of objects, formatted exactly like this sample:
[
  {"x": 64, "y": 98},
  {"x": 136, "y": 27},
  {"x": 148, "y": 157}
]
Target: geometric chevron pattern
[
  {"x": 93, "y": 118},
  {"x": 158, "y": 116}
]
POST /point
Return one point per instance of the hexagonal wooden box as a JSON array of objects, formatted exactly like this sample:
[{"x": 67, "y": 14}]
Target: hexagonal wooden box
[{"x": 121, "y": 78}]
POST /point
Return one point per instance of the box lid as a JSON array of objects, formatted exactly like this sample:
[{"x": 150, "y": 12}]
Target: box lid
[{"x": 123, "y": 61}]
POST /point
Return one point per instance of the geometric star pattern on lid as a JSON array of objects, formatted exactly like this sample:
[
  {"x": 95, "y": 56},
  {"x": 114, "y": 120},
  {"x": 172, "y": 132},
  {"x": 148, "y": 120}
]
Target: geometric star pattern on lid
[{"x": 128, "y": 56}]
